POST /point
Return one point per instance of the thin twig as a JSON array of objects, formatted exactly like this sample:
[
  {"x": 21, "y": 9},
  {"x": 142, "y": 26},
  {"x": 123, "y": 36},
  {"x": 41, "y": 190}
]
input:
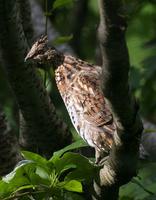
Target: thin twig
[
  {"x": 23, "y": 194},
  {"x": 46, "y": 28},
  {"x": 46, "y": 15}
]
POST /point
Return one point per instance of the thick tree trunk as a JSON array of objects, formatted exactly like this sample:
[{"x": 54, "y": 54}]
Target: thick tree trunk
[
  {"x": 41, "y": 127},
  {"x": 121, "y": 164}
]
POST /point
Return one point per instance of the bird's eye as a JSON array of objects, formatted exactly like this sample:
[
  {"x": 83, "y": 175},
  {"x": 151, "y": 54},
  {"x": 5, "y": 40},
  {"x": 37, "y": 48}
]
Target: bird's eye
[{"x": 39, "y": 51}]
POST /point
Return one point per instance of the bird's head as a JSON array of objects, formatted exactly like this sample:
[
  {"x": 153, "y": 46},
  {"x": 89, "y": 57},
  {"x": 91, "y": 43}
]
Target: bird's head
[{"x": 41, "y": 53}]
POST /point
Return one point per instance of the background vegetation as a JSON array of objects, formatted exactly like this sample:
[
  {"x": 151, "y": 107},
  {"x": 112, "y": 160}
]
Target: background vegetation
[{"x": 80, "y": 34}]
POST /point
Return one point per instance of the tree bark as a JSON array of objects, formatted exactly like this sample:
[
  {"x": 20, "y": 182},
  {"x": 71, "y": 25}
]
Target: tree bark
[
  {"x": 78, "y": 18},
  {"x": 43, "y": 131},
  {"x": 9, "y": 148},
  {"x": 121, "y": 164},
  {"x": 25, "y": 16}
]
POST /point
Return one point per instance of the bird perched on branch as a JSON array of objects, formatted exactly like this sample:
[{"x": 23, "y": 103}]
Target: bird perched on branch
[{"x": 80, "y": 85}]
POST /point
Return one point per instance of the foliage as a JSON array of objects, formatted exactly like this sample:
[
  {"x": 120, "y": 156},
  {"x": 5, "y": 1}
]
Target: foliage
[
  {"x": 60, "y": 177},
  {"x": 63, "y": 177},
  {"x": 142, "y": 187},
  {"x": 142, "y": 47},
  {"x": 61, "y": 3}
]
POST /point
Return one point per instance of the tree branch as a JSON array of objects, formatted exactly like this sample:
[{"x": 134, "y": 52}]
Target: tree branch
[
  {"x": 42, "y": 129},
  {"x": 9, "y": 148},
  {"x": 122, "y": 161},
  {"x": 25, "y": 16},
  {"x": 78, "y": 18}
]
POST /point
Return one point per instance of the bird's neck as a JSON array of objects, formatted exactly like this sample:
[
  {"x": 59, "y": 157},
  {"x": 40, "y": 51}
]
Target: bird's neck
[{"x": 54, "y": 57}]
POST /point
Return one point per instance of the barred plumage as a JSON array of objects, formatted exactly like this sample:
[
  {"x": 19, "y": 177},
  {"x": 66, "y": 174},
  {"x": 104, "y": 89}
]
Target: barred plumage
[{"x": 79, "y": 84}]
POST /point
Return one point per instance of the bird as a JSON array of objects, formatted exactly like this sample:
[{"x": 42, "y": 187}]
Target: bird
[{"x": 80, "y": 86}]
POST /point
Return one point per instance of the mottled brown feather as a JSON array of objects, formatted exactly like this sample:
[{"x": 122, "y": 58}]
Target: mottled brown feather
[{"x": 80, "y": 85}]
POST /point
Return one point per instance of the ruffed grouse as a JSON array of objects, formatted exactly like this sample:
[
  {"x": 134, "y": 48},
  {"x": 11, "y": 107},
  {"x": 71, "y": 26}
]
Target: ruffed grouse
[{"x": 79, "y": 84}]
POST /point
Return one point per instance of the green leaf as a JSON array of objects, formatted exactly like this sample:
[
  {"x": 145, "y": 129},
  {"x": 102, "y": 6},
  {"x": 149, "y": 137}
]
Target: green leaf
[
  {"x": 75, "y": 145},
  {"x": 62, "y": 40},
  {"x": 16, "y": 179},
  {"x": 142, "y": 186},
  {"x": 26, "y": 175},
  {"x": 61, "y": 3},
  {"x": 73, "y": 185},
  {"x": 4, "y": 190},
  {"x": 42, "y": 173},
  {"x": 35, "y": 157},
  {"x": 17, "y": 169},
  {"x": 67, "y": 167},
  {"x": 84, "y": 169},
  {"x": 152, "y": 197},
  {"x": 39, "y": 160}
]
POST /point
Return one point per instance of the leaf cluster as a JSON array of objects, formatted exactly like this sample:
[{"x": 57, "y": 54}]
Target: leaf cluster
[{"x": 60, "y": 177}]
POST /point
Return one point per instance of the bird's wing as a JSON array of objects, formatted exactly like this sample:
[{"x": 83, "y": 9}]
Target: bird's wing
[{"x": 95, "y": 110}]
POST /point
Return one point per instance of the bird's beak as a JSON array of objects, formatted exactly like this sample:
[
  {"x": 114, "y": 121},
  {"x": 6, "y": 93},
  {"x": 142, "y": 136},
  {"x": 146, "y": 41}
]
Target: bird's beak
[{"x": 27, "y": 58}]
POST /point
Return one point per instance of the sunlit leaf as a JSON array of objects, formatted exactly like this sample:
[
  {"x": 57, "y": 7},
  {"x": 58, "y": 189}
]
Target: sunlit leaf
[
  {"x": 42, "y": 173},
  {"x": 33, "y": 156},
  {"x": 73, "y": 185},
  {"x": 39, "y": 160},
  {"x": 18, "y": 169},
  {"x": 16, "y": 179}
]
